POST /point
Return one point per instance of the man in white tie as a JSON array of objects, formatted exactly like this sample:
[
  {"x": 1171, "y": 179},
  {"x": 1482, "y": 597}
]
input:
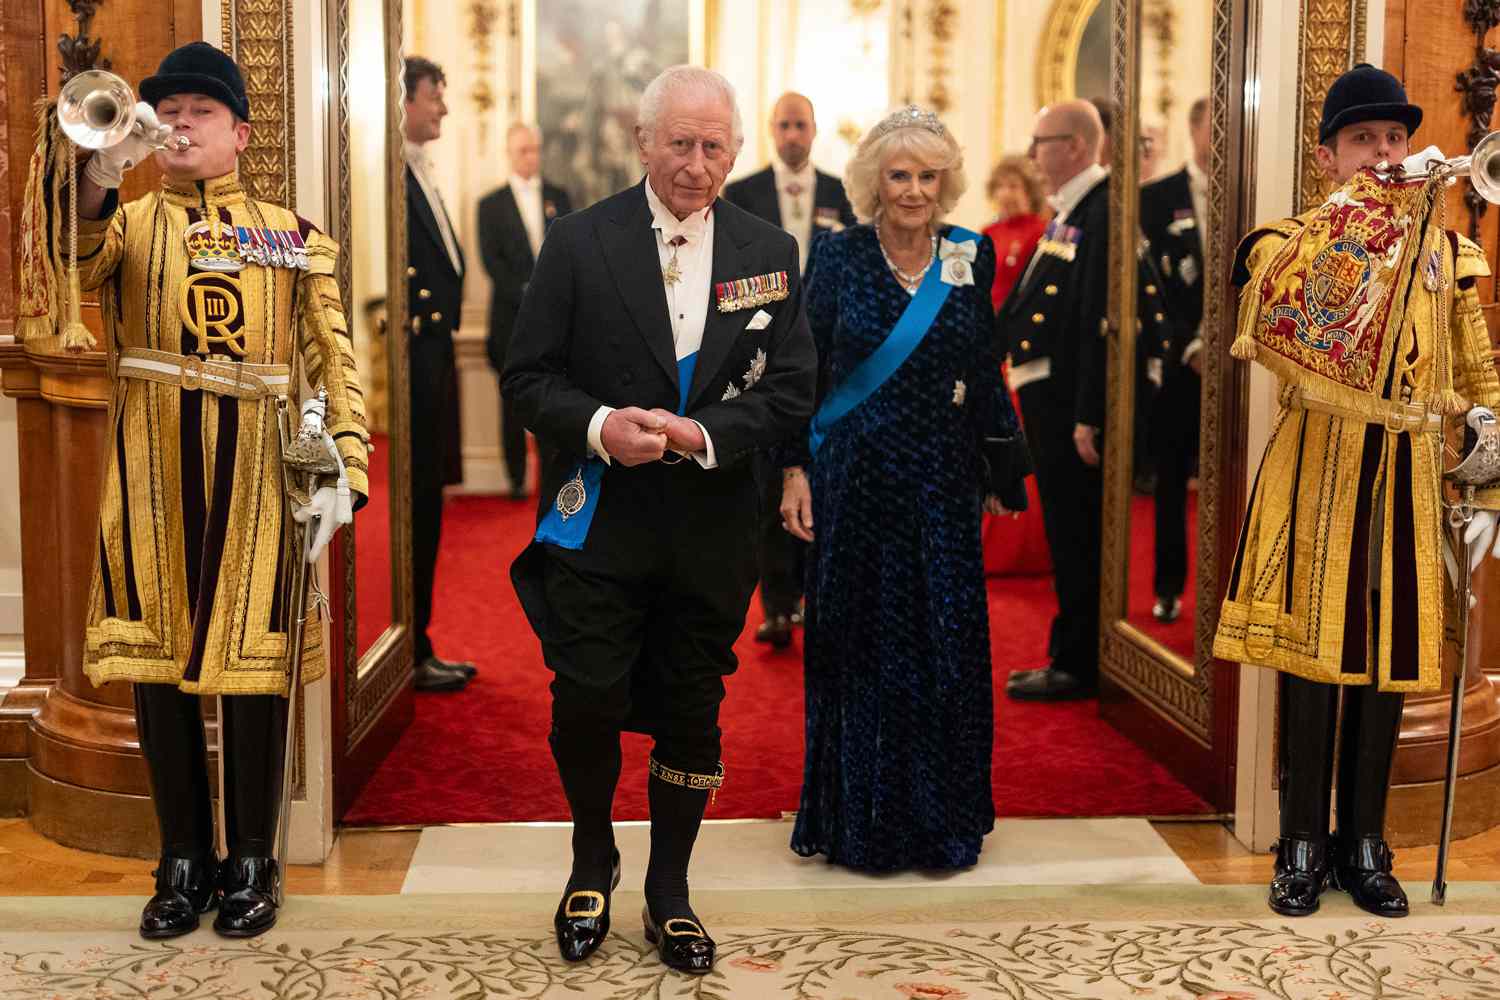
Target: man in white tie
[
  {"x": 512, "y": 222},
  {"x": 435, "y": 287},
  {"x": 795, "y": 195}
]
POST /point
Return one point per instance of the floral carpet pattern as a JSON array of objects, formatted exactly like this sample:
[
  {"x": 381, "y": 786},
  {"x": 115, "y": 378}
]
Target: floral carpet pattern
[{"x": 1329, "y": 958}]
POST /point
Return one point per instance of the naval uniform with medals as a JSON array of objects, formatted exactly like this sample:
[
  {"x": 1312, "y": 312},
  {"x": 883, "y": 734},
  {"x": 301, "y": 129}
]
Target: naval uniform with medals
[{"x": 213, "y": 304}]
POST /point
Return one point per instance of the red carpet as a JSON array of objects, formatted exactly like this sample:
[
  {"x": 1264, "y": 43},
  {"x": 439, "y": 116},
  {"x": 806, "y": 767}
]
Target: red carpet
[{"x": 481, "y": 755}]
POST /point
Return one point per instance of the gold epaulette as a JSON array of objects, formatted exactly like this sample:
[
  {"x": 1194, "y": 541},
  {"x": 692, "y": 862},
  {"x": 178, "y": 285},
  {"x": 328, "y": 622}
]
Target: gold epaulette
[{"x": 1471, "y": 261}]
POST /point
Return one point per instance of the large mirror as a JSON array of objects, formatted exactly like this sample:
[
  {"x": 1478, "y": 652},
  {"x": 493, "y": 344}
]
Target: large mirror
[
  {"x": 368, "y": 189},
  {"x": 1170, "y": 468}
]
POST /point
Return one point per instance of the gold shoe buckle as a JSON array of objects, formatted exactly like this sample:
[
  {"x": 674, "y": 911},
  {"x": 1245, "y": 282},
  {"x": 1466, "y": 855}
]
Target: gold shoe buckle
[
  {"x": 597, "y": 898},
  {"x": 693, "y": 929}
]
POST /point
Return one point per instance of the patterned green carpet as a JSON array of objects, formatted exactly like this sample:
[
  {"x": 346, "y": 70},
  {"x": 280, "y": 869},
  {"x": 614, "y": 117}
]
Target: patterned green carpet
[{"x": 875, "y": 944}]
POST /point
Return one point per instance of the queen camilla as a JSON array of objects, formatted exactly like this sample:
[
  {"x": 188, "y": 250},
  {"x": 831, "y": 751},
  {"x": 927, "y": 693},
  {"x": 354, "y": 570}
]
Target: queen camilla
[{"x": 913, "y": 436}]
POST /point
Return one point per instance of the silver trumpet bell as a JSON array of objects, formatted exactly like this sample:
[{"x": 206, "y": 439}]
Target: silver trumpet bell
[
  {"x": 1481, "y": 167},
  {"x": 96, "y": 109}
]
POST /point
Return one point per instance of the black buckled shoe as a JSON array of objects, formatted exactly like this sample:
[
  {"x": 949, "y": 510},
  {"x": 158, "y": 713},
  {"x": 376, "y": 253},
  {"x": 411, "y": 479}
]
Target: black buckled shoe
[
  {"x": 1301, "y": 876},
  {"x": 777, "y": 630},
  {"x": 185, "y": 887},
  {"x": 681, "y": 942},
  {"x": 1048, "y": 684},
  {"x": 1364, "y": 872},
  {"x": 582, "y": 918},
  {"x": 249, "y": 904}
]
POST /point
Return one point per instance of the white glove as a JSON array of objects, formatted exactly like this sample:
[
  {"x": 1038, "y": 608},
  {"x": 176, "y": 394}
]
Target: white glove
[
  {"x": 1482, "y": 537},
  {"x": 331, "y": 506},
  {"x": 107, "y": 167},
  {"x": 314, "y": 413}
]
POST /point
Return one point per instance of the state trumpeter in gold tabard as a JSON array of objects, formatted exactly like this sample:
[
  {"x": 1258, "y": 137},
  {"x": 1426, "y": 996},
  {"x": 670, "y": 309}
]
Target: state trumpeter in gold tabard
[
  {"x": 1367, "y": 310},
  {"x": 217, "y": 308}
]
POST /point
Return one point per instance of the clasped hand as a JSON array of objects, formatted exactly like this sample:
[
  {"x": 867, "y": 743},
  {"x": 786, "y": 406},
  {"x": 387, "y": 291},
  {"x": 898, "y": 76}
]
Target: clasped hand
[{"x": 633, "y": 436}]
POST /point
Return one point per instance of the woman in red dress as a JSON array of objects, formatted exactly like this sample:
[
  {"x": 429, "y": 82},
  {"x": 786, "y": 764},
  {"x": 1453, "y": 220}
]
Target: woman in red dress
[{"x": 1015, "y": 545}]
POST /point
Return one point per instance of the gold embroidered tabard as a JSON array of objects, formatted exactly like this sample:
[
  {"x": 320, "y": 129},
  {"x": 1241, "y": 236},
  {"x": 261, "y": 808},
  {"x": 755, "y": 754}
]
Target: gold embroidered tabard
[
  {"x": 1346, "y": 505},
  {"x": 188, "y": 584}
]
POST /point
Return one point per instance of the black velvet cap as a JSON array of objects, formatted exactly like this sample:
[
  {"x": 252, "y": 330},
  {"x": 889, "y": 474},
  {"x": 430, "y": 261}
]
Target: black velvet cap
[
  {"x": 1366, "y": 94},
  {"x": 198, "y": 68}
]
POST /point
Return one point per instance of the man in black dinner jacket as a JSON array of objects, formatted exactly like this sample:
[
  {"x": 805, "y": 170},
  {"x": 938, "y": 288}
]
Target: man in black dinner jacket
[
  {"x": 803, "y": 200},
  {"x": 513, "y": 219},
  {"x": 1054, "y": 320},
  {"x": 1172, "y": 217},
  {"x": 661, "y": 343},
  {"x": 434, "y": 297}
]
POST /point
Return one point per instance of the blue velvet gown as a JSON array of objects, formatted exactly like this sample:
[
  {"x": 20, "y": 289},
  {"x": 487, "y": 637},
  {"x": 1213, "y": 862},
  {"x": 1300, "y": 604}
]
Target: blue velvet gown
[{"x": 900, "y": 712}]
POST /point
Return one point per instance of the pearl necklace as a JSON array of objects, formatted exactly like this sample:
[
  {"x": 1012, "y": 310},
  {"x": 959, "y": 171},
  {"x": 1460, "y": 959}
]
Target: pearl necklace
[{"x": 908, "y": 281}]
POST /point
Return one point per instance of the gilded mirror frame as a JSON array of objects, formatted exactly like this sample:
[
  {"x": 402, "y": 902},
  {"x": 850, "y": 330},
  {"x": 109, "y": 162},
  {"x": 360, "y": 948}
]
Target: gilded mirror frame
[
  {"x": 372, "y": 680},
  {"x": 1197, "y": 697},
  {"x": 1057, "y": 66}
]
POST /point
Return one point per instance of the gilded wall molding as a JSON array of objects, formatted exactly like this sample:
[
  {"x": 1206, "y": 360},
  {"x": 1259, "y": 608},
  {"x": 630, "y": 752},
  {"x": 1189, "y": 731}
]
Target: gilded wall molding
[
  {"x": 942, "y": 25},
  {"x": 80, "y": 52},
  {"x": 1478, "y": 85},
  {"x": 1057, "y": 63},
  {"x": 1330, "y": 40},
  {"x": 258, "y": 34},
  {"x": 484, "y": 17}
]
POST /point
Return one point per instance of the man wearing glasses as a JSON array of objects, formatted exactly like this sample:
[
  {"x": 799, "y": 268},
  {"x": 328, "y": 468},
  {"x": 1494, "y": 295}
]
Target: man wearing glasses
[{"x": 1054, "y": 320}]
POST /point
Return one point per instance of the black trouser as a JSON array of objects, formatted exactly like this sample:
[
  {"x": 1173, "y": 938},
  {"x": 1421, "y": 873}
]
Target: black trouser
[
  {"x": 782, "y": 556},
  {"x": 170, "y": 724},
  {"x": 1175, "y": 443},
  {"x": 431, "y": 385},
  {"x": 1367, "y": 748},
  {"x": 1072, "y": 496}
]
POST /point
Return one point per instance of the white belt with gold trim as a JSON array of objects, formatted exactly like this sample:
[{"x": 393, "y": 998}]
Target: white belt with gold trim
[
  {"x": 1398, "y": 418},
  {"x": 187, "y": 371}
]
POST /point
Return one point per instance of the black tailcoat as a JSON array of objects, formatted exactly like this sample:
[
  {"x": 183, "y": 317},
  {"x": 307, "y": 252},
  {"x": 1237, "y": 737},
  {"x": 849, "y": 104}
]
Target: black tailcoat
[
  {"x": 507, "y": 257},
  {"x": 669, "y": 564}
]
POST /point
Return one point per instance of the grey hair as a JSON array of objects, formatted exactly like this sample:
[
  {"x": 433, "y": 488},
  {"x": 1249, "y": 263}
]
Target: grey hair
[{"x": 675, "y": 81}]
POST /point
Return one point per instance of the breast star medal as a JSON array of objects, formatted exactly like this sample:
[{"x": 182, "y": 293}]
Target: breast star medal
[{"x": 572, "y": 497}]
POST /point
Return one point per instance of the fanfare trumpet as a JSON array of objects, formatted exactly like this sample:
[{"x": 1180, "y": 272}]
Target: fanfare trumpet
[
  {"x": 96, "y": 109},
  {"x": 1481, "y": 167}
]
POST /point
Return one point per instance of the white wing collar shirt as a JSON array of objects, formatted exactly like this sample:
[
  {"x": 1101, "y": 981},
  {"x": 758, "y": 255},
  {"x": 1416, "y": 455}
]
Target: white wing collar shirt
[
  {"x": 421, "y": 168},
  {"x": 687, "y": 298}
]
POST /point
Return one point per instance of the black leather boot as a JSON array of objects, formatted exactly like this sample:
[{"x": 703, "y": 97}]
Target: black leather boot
[
  {"x": 1363, "y": 870},
  {"x": 249, "y": 904},
  {"x": 170, "y": 725},
  {"x": 254, "y": 731},
  {"x": 1305, "y": 743},
  {"x": 185, "y": 888},
  {"x": 1367, "y": 749},
  {"x": 1301, "y": 876}
]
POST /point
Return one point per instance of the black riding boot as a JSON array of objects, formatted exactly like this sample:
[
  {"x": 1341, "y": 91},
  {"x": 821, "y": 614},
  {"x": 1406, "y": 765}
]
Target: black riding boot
[
  {"x": 588, "y": 762},
  {"x": 170, "y": 724},
  {"x": 677, "y": 799},
  {"x": 254, "y": 728},
  {"x": 1308, "y": 717},
  {"x": 1367, "y": 748}
]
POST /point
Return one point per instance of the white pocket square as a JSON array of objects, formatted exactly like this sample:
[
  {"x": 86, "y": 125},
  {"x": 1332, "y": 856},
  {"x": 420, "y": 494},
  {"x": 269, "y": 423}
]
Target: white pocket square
[{"x": 759, "y": 321}]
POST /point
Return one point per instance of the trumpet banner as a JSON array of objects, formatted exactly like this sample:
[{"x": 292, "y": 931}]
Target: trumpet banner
[{"x": 1324, "y": 312}]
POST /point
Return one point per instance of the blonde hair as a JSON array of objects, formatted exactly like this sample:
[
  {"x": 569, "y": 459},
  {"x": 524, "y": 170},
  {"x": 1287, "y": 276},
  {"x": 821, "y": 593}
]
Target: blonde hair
[{"x": 935, "y": 151}]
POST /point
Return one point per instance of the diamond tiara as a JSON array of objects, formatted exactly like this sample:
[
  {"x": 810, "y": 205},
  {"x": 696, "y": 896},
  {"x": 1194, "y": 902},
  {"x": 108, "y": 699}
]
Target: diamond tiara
[{"x": 910, "y": 116}]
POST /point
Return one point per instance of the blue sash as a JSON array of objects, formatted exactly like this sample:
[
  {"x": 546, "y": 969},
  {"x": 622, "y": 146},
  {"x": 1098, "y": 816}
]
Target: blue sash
[
  {"x": 871, "y": 373},
  {"x": 567, "y": 522}
]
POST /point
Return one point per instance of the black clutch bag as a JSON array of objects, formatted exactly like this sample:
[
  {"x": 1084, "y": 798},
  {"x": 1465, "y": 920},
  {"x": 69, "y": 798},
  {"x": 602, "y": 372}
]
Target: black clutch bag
[{"x": 1009, "y": 463}]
